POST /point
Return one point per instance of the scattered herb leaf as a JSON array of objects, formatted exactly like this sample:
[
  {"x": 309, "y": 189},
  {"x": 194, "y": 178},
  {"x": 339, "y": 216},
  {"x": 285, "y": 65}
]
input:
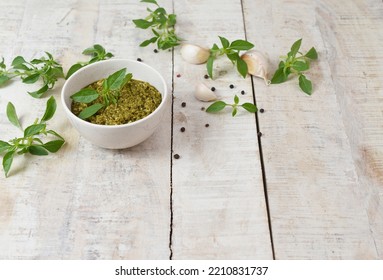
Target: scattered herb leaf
[
  {"x": 294, "y": 64},
  {"x": 220, "y": 105},
  {"x": 162, "y": 25},
  {"x": 32, "y": 141},
  {"x": 96, "y": 52},
  {"x": 46, "y": 69},
  {"x": 231, "y": 50}
]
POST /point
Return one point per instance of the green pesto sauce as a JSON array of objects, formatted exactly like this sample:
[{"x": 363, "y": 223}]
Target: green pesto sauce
[{"x": 137, "y": 100}]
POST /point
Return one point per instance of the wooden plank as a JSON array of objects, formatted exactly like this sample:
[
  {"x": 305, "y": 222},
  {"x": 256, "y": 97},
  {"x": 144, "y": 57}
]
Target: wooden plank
[
  {"x": 83, "y": 202},
  {"x": 321, "y": 204},
  {"x": 218, "y": 202},
  {"x": 357, "y": 64}
]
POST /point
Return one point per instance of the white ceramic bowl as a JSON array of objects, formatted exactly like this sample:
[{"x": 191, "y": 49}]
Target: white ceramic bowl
[{"x": 115, "y": 136}]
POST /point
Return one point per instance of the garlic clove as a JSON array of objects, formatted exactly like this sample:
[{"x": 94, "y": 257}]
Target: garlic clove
[
  {"x": 194, "y": 54},
  {"x": 203, "y": 93},
  {"x": 257, "y": 65}
]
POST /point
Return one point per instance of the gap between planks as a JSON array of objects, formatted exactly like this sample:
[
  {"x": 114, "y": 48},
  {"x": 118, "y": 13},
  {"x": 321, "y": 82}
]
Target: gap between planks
[
  {"x": 171, "y": 159},
  {"x": 259, "y": 135}
]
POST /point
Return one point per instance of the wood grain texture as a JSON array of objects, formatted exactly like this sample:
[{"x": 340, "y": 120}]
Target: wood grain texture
[
  {"x": 218, "y": 201},
  {"x": 323, "y": 155},
  {"x": 83, "y": 202},
  {"x": 318, "y": 197}
]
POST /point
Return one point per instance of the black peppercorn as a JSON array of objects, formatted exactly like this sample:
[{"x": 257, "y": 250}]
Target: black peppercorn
[
  {"x": 261, "y": 110},
  {"x": 206, "y": 76},
  {"x": 176, "y": 156},
  {"x": 242, "y": 92},
  {"x": 207, "y": 125},
  {"x": 139, "y": 59},
  {"x": 259, "y": 134},
  {"x": 155, "y": 50},
  {"x": 183, "y": 104},
  {"x": 182, "y": 129},
  {"x": 231, "y": 86},
  {"x": 213, "y": 89}
]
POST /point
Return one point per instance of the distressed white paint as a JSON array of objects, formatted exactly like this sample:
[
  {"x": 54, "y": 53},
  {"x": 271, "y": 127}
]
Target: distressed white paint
[
  {"x": 83, "y": 202},
  {"x": 322, "y": 154},
  {"x": 321, "y": 204}
]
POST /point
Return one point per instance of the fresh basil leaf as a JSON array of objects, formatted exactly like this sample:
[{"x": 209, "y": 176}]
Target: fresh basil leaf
[
  {"x": 225, "y": 43},
  {"x": 236, "y": 99},
  {"x": 37, "y": 61},
  {"x": 86, "y": 95},
  {"x": 242, "y": 67},
  {"x": 155, "y": 32},
  {"x": 56, "y": 72},
  {"x": 3, "y": 79},
  {"x": 2, "y": 64},
  {"x": 127, "y": 78},
  {"x": 108, "y": 55},
  {"x": 73, "y": 69},
  {"x": 143, "y": 24},
  {"x": 249, "y": 107},
  {"x": 215, "y": 47},
  {"x": 167, "y": 44},
  {"x": 40, "y": 92},
  {"x": 7, "y": 162},
  {"x": 172, "y": 20},
  {"x": 209, "y": 66},
  {"x": 90, "y": 51},
  {"x": 4, "y": 146},
  {"x": 37, "y": 150},
  {"x": 53, "y": 146},
  {"x": 300, "y": 66},
  {"x": 18, "y": 63},
  {"x": 116, "y": 80},
  {"x": 90, "y": 111},
  {"x": 241, "y": 45},
  {"x": 295, "y": 48},
  {"x": 216, "y": 106},
  {"x": 34, "y": 129},
  {"x": 12, "y": 115},
  {"x": 234, "y": 112},
  {"x": 279, "y": 76},
  {"x": 234, "y": 57},
  {"x": 31, "y": 79},
  {"x": 150, "y": 1},
  {"x": 305, "y": 84},
  {"x": 50, "y": 57},
  {"x": 148, "y": 42},
  {"x": 312, "y": 53},
  {"x": 50, "y": 109},
  {"x": 55, "y": 134}
]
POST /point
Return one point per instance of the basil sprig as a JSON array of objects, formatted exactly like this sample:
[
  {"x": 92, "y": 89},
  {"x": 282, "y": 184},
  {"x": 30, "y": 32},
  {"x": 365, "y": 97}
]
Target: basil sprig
[
  {"x": 296, "y": 63},
  {"x": 162, "y": 25},
  {"x": 110, "y": 93},
  {"x": 220, "y": 105},
  {"x": 96, "y": 52},
  {"x": 46, "y": 69},
  {"x": 231, "y": 50},
  {"x": 32, "y": 140}
]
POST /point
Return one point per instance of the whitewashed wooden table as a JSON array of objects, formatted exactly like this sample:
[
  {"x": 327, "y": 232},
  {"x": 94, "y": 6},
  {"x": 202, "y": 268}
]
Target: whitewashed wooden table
[{"x": 310, "y": 187}]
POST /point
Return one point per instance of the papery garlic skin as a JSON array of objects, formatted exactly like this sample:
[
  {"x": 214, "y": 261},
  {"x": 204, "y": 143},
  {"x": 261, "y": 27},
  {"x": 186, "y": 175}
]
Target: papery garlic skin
[
  {"x": 203, "y": 93},
  {"x": 257, "y": 65},
  {"x": 194, "y": 54}
]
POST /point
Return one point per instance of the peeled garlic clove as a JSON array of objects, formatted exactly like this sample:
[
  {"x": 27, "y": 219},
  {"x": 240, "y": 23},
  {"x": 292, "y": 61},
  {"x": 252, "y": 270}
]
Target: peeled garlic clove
[
  {"x": 194, "y": 54},
  {"x": 257, "y": 65},
  {"x": 203, "y": 93}
]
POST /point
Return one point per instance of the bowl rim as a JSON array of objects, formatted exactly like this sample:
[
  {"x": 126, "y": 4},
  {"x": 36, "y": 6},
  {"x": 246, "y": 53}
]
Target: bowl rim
[{"x": 99, "y": 64}]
